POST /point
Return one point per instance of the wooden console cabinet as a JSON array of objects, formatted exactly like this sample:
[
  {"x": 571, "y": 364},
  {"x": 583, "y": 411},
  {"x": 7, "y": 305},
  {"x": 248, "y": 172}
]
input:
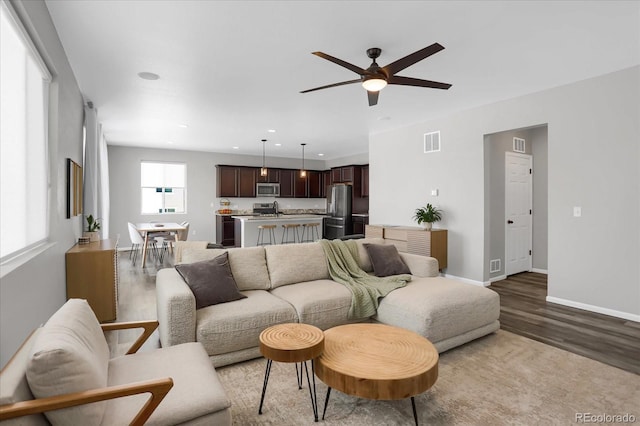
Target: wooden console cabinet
[
  {"x": 413, "y": 239},
  {"x": 92, "y": 274}
]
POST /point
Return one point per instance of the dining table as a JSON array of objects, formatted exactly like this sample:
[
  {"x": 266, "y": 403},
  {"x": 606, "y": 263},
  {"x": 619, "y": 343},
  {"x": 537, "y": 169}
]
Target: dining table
[{"x": 149, "y": 228}]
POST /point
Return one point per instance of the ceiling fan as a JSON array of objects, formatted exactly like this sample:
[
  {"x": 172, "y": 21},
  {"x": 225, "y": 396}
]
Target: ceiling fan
[{"x": 375, "y": 78}]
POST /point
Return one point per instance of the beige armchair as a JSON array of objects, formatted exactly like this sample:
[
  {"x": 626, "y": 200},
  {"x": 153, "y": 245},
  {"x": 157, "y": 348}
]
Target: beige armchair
[{"x": 59, "y": 375}]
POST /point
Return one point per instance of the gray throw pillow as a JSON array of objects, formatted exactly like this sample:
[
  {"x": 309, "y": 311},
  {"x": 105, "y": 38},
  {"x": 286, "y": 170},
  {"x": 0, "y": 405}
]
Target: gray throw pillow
[
  {"x": 211, "y": 281},
  {"x": 386, "y": 260}
]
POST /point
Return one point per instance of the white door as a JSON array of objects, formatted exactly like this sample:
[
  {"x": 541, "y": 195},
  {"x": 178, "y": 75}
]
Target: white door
[{"x": 518, "y": 205}]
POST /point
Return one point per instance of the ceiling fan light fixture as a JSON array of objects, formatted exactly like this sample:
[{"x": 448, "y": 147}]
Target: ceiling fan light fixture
[{"x": 374, "y": 83}]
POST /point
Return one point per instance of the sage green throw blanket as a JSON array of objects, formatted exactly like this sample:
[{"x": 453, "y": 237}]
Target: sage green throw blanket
[{"x": 365, "y": 289}]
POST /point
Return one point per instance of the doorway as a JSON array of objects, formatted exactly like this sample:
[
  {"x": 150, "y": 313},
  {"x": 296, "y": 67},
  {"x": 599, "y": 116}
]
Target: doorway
[{"x": 531, "y": 147}]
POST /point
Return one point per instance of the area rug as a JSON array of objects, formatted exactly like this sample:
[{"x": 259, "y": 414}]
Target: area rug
[{"x": 500, "y": 379}]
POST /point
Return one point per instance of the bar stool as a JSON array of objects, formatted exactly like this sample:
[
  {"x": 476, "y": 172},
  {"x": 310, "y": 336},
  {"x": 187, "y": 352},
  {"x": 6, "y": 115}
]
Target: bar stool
[
  {"x": 310, "y": 232},
  {"x": 270, "y": 232},
  {"x": 286, "y": 239}
]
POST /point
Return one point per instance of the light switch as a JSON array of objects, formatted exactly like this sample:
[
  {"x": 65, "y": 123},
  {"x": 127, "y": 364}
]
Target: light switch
[
  {"x": 577, "y": 211},
  {"x": 434, "y": 192}
]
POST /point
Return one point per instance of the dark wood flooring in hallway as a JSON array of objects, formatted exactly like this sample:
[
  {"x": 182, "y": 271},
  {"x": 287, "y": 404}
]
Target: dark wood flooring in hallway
[{"x": 525, "y": 311}]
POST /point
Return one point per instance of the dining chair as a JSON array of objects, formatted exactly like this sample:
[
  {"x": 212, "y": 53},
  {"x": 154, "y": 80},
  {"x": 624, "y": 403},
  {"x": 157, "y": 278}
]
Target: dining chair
[
  {"x": 137, "y": 241},
  {"x": 167, "y": 240}
]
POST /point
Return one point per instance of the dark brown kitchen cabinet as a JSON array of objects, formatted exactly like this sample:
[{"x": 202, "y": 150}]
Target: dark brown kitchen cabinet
[
  {"x": 359, "y": 223},
  {"x": 227, "y": 181},
  {"x": 364, "y": 189},
  {"x": 247, "y": 181},
  {"x": 326, "y": 182},
  {"x": 286, "y": 183},
  {"x": 273, "y": 176},
  {"x": 225, "y": 231},
  {"x": 233, "y": 181},
  {"x": 300, "y": 188},
  {"x": 336, "y": 175},
  {"x": 345, "y": 174},
  {"x": 315, "y": 184}
]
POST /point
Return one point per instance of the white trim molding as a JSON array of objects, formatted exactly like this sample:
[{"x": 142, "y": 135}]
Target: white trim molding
[
  {"x": 497, "y": 278},
  {"x": 592, "y": 308},
  {"x": 540, "y": 271},
  {"x": 468, "y": 281}
]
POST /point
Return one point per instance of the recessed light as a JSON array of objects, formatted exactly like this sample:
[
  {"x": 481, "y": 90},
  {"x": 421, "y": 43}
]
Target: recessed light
[
  {"x": 184, "y": 126},
  {"x": 148, "y": 75},
  {"x": 170, "y": 142},
  {"x": 320, "y": 155},
  {"x": 271, "y": 131},
  {"x": 236, "y": 147},
  {"x": 278, "y": 144}
]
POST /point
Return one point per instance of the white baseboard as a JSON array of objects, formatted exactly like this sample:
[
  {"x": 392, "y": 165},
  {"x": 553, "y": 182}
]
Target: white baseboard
[
  {"x": 592, "y": 308},
  {"x": 540, "y": 271},
  {"x": 498, "y": 278},
  {"x": 468, "y": 281}
]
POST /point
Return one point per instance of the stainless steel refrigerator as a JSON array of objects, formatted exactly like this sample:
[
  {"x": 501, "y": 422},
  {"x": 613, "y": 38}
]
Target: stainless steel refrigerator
[{"x": 337, "y": 224}]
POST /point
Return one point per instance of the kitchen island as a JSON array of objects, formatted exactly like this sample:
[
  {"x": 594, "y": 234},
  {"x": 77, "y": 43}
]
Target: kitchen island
[{"x": 247, "y": 226}]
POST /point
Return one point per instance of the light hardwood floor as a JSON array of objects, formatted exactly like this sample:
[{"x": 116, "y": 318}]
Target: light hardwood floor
[{"x": 524, "y": 311}]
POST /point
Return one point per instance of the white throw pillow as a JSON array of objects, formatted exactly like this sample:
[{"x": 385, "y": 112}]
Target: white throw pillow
[{"x": 69, "y": 355}]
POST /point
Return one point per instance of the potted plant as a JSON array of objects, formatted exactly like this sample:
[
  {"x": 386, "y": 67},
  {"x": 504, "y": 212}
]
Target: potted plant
[
  {"x": 427, "y": 215},
  {"x": 92, "y": 229}
]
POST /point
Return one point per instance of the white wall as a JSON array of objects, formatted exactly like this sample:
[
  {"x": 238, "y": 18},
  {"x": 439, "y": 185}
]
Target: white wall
[
  {"x": 34, "y": 291},
  {"x": 593, "y": 161},
  {"x": 202, "y": 203}
]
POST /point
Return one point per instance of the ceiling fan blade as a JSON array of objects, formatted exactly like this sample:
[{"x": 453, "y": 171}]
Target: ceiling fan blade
[
  {"x": 340, "y": 62},
  {"x": 411, "y": 59},
  {"x": 373, "y": 98},
  {"x": 408, "y": 81},
  {"x": 332, "y": 85}
]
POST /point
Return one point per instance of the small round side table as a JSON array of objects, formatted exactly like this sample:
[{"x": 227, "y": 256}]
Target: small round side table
[{"x": 297, "y": 343}]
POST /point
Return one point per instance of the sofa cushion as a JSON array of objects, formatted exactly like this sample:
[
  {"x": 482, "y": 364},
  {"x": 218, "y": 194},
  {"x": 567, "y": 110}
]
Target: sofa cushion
[
  {"x": 70, "y": 354},
  {"x": 363, "y": 257},
  {"x": 439, "y": 308},
  {"x": 294, "y": 263},
  {"x": 323, "y": 303},
  {"x": 237, "y": 325},
  {"x": 385, "y": 260},
  {"x": 211, "y": 281},
  {"x": 196, "y": 390},
  {"x": 248, "y": 265}
]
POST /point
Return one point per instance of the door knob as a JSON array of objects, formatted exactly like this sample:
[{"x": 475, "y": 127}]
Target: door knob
[{"x": 510, "y": 222}]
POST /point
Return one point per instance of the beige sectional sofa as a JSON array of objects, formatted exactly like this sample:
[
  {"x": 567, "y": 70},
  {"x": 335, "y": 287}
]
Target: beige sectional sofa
[{"x": 291, "y": 283}]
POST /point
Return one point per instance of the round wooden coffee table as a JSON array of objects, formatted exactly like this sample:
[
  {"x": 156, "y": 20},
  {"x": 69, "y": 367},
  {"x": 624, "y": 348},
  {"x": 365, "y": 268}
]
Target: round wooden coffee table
[
  {"x": 377, "y": 361},
  {"x": 296, "y": 343}
]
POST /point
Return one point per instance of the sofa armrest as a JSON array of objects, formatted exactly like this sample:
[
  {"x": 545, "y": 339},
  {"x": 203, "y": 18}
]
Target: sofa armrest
[
  {"x": 176, "y": 308},
  {"x": 421, "y": 266},
  {"x": 157, "y": 389}
]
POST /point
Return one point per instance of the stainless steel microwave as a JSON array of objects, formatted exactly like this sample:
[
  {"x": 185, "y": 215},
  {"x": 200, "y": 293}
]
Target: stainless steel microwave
[{"x": 267, "y": 189}]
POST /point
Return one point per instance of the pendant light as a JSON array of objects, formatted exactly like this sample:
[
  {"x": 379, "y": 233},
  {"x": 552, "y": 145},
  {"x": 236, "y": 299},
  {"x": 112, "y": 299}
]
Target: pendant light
[
  {"x": 303, "y": 172},
  {"x": 263, "y": 170}
]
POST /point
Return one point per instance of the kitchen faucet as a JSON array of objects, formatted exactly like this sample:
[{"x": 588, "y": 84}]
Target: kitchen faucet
[{"x": 275, "y": 207}]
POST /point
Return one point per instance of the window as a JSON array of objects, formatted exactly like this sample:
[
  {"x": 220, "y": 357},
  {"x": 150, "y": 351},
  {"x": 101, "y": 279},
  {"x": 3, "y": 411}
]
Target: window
[
  {"x": 24, "y": 170},
  {"x": 164, "y": 188}
]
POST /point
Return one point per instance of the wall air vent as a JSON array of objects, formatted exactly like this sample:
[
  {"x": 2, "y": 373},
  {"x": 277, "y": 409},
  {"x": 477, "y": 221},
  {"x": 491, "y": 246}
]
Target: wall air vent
[
  {"x": 495, "y": 266},
  {"x": 432, "y": 142},
  {"x": 518, "y": 145}
]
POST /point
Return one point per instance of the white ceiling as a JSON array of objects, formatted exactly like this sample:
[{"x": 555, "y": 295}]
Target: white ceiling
[{"x": 231, "y": 70}]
